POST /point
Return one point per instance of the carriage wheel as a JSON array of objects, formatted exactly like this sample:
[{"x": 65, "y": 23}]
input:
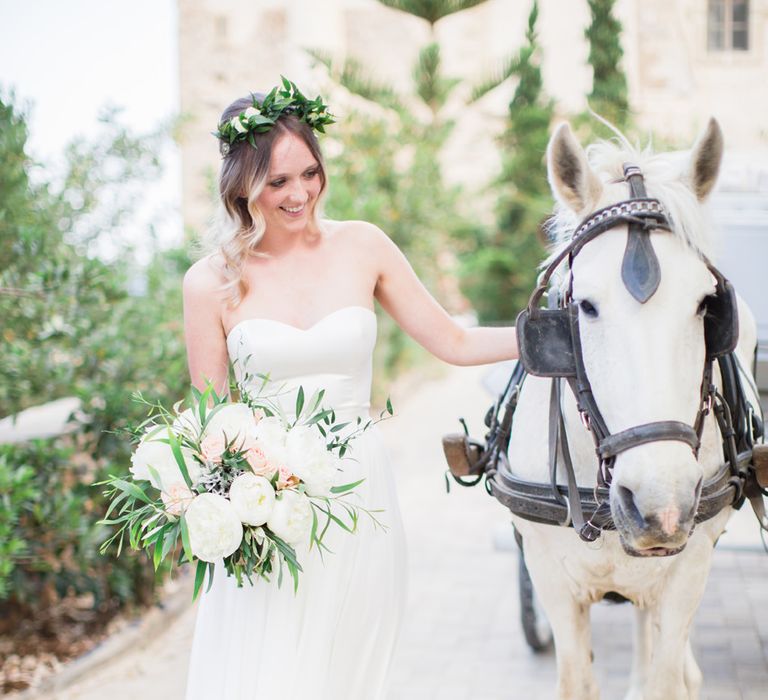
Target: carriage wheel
[{"x": 536, "y": 627}]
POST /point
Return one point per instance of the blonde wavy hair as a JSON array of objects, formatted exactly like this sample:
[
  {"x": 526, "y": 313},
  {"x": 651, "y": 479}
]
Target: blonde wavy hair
[{"x": 239, "y": 225}]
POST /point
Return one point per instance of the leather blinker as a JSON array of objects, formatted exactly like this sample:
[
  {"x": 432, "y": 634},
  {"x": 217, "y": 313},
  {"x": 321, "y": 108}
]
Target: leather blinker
[
  {"x": 544, "y": 342},
  {"x": 721, "y": 324}
]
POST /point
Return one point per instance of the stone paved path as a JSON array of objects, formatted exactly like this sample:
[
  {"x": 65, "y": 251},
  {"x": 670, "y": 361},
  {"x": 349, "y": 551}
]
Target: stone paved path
[{"x": 462, "y": 639}]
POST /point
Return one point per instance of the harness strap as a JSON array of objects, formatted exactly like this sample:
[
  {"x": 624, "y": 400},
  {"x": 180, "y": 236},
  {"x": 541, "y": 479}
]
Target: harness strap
[
  {"x": 536, "y": 501},
  {"x": 614, "y": 444},
  {"x": 582, "y": 389},
  {"x": 634, "y": 178},
  {"x": 559, "y": 440},
  {"x": 650, "y": 212},
  {"x": 554, "y": 443},
  {"x": 707, "y": 397}
]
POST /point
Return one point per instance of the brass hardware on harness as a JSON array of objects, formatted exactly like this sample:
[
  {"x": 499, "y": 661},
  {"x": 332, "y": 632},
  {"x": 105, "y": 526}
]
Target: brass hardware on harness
[
  {"x": 760, "y": 463},
  {"x": 462, "y": 454}
]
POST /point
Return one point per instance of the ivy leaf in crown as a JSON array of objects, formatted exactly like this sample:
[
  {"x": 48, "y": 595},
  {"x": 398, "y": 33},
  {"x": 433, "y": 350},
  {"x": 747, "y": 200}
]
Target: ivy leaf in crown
[{"x": 261, "y": 116}]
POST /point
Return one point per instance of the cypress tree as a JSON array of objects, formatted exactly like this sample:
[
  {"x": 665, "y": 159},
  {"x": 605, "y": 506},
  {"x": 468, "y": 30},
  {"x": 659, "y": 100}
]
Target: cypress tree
[
  {"x": 499, "y": 275},
  {"x": 609, "y": 84}
]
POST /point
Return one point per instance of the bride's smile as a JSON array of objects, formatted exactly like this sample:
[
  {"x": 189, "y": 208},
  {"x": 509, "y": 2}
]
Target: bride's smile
[{"x": 292, "y": 186}]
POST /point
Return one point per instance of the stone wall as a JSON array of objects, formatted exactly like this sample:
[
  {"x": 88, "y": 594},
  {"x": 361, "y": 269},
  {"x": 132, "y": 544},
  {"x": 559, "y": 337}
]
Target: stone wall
[{"x": 230, "y": 47}]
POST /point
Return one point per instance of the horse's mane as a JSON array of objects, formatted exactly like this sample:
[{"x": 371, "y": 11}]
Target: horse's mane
[{"x": 667, "y": 178}]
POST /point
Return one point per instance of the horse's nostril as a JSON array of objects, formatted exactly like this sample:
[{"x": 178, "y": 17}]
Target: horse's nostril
[{"x": 631, "y": 511}]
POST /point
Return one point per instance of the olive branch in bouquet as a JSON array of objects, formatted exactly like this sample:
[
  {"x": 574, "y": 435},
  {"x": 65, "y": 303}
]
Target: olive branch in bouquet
[{"x": 142, "y": 518}]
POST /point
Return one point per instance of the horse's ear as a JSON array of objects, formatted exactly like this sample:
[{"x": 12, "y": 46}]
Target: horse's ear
[
  {"x": 705, "y": 160},
  {"x": 572, "y": 180}
]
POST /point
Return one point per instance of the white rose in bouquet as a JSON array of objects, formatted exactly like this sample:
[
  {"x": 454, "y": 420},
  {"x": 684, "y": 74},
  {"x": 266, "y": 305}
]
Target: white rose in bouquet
[
  {"x": 291, "y": 517},
  {"x": 188, "y": 423},
  {"x": 252, "y": 497},
  {"x": 154, "y": 452},
  {"x": 215, "y": 530},
  {"x": 233, "y": 420},
  {"x": 310, "y": 460},
  {"x": 271, "y": 436}
]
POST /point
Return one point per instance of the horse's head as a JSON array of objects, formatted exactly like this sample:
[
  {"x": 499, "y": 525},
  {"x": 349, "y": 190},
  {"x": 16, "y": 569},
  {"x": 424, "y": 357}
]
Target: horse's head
[{"x": 641, "y": 324}]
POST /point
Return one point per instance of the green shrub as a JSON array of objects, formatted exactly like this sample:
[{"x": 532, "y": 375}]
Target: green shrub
[
  {"x": 17, "y": 493},
  {"x": 57, "y": 539},
  {"x": 70, "y": 328}
]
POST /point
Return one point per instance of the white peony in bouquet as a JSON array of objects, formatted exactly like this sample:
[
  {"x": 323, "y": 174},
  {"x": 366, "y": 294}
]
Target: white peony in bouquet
[{"x": 236, "y": 482}]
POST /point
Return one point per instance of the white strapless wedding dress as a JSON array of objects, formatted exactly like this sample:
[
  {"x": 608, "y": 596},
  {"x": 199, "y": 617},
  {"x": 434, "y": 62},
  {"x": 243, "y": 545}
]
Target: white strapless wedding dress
[{"x": 333, "y": 639}]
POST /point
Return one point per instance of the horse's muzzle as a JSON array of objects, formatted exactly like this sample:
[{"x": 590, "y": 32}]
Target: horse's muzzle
[{"x": 661, "y": 533}]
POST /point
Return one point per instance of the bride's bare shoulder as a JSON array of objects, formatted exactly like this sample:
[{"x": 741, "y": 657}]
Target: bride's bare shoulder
[
  {"x": 354, "y": 233},
  {"x": 205, "y": 276}
]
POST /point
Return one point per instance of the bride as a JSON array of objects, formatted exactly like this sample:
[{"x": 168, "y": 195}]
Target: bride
[{"x": 287, "y": 293}]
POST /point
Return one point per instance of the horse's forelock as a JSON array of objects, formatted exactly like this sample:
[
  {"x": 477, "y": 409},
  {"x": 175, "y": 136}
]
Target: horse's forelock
[{"x": 666, "y": 179}]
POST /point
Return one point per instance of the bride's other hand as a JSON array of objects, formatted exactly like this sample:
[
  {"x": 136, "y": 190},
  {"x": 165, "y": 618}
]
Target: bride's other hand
[{"x": 417, "y": 312}]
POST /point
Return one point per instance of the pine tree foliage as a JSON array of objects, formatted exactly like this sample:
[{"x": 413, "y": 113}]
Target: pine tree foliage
[
  {"x": 499, "y": 276},
  {"x": 418, "y": 142},
  {"x": 431, "y": 10},
  {"x": 431, "y": 86},
  {"x": 353, "y": 76},
  {"x": 501, "y": 74},
  {"x": 609, "y": 84}
]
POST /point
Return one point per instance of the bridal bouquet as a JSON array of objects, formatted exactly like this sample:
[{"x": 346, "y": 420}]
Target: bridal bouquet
[{"x": 235, "y": 481}]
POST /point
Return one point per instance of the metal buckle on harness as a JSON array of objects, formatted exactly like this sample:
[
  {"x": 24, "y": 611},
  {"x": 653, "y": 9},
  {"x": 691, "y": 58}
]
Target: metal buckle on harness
[
  {"x": 585, "y": 420},
  {"x": 589, "y": 532},
  {"x": 751, "y": 424}
]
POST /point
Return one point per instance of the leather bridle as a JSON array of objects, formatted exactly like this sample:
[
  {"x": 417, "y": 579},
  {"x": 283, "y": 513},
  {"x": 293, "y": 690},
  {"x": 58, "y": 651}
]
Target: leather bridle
[{"x": 550, "y": 346}]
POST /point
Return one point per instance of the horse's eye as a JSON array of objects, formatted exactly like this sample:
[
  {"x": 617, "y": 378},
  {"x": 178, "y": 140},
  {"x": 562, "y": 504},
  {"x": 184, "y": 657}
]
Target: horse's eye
[
  {"x": 702, "y": 310},
  {"x": 587, "y": 308}
]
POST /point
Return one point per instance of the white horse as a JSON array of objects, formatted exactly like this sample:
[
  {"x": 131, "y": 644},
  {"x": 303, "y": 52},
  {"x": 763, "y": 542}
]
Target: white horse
[{"x": 645, "y": 363}]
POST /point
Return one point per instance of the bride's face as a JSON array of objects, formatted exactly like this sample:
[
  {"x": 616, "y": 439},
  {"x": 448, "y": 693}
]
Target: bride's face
[{"x": 292, "y": 187}]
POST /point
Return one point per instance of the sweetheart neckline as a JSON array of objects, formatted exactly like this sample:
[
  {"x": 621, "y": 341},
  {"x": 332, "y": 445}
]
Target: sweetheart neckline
[{"x": 299, "y": 328}]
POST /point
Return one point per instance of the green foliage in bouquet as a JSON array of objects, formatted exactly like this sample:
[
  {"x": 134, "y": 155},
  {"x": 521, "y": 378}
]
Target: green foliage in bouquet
[{"x": 238, "y": 482}]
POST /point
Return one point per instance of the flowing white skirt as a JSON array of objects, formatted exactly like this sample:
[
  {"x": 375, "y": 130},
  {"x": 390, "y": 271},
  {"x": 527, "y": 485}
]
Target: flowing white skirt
[{"x": 334, "y": 638}]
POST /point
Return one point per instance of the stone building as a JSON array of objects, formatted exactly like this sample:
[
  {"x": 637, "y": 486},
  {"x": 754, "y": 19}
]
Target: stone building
[{"x": 685, "y": 60}]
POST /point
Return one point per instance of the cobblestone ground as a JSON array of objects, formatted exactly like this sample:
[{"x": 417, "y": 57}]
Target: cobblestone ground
[{"x": 462, "y": 639}]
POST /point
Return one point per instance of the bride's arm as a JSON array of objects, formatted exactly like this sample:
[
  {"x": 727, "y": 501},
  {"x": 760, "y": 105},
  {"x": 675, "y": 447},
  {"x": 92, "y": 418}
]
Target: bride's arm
[
  {"x": 407, "y": 300},
  {"x": 203, "y": 331}
]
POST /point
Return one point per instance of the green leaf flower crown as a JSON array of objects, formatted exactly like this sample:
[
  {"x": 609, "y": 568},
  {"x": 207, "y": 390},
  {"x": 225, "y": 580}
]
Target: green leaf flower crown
[{"x": 261, "y": 116}]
